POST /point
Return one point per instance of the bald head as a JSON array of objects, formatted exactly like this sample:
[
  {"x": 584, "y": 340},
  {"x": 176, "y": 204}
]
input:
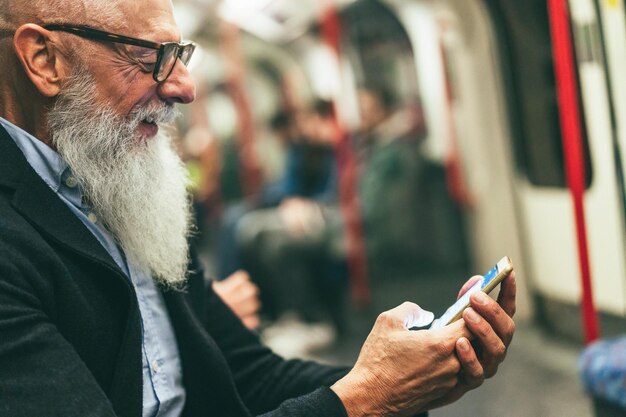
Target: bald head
[
  {"x": 37, "y": 62},
  {"x": 14, "y": 13}
]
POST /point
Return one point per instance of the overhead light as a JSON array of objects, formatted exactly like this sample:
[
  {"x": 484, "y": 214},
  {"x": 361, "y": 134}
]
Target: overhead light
[
  {"x": 187, "y": 17},
  {"x": 252, "y": 16}
]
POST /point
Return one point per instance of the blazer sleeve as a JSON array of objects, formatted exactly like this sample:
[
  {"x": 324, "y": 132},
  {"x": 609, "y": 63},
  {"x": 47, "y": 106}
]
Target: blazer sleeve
[
  {"x": 268, "y": 384},
  {"x": 40, "y": 373},
  {"x": 266, "y": 381}
]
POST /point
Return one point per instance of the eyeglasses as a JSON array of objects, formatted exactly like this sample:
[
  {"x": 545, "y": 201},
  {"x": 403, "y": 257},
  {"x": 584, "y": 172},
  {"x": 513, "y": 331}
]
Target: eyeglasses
[{"x": 167, "y": 53}]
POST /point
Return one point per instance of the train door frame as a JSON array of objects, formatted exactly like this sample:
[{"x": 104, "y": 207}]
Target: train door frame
[
  {"x": 611, "y": 15},
  {"x": 613, "y": 27},
  {"x": 553, "y": 238},
  {"x": 604, "y": 199},
  {"x": 484, "y": 129},
  {"x": 612, "y": 19}
]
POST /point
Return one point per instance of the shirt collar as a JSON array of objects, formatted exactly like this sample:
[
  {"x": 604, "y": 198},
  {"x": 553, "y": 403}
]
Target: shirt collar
[{"x": 46, "y": 162}]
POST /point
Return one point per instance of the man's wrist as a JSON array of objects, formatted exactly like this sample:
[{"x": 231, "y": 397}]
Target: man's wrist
[{"x": 355, "y": 397}]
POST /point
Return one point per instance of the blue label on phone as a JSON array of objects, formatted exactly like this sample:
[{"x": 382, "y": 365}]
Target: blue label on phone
[
  {"x": 489, "y": 276},
  {"x": 463, "y": 302}
]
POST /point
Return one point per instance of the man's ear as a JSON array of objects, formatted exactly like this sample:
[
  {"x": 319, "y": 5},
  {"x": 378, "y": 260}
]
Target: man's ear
[{"x": 40, "y": 58}]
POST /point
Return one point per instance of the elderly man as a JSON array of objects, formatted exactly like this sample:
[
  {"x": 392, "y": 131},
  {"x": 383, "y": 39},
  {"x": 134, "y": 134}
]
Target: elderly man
[{"x": 103, "y": 311}]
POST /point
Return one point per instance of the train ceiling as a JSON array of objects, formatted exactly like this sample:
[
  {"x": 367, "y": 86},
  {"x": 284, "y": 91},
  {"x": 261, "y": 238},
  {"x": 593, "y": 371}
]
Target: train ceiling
[{"x": 271, "y": 20}]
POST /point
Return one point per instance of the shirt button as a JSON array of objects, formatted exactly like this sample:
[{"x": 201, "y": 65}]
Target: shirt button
[
  {"x": 155, "y": 366},
  {"x": 92, "y": 217},
  {"x": 71, "y": 182}
]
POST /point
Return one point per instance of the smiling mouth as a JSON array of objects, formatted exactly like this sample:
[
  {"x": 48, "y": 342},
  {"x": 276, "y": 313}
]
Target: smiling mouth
[{"x": 148, "y": 127}]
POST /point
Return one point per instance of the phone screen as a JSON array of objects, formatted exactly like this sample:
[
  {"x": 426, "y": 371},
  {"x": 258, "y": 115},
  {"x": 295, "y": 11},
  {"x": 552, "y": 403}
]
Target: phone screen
[{"x": 497, "y": 273}]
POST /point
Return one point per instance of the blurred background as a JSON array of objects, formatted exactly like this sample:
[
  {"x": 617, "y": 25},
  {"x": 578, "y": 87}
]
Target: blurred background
[{"x": 348, "y": 155}]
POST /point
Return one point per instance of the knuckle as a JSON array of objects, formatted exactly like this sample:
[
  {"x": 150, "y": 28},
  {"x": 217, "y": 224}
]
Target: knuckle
[
  {"x": 407, "y": 304},
  {"x": 481, "y": 330},
  {"x": 500, "y": 351},
  {"x": 455, "y": 367},
  {"x": 442, "y": 348},
  {"x": 494, "y": 309},
  {"x": 478, "y": 372},
  {"x": 491, "y": 371},
  {"x": 510, "y": 331},
  {"x": 451, "y": 382},
  {"x": 384, "y": 317}
]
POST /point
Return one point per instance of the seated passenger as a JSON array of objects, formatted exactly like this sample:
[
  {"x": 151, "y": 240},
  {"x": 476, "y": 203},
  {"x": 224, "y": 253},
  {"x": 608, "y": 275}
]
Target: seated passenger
[
  {"x": 242, "y": 296},
  {"x": 407, "y": 214},
  {"x": 103, "y": 309},
  {"x": 603, "y": 371},
  {"x": 283, "y": 237}
]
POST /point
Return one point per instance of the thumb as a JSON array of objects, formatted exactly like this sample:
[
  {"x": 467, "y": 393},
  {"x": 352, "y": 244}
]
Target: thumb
[
  {"x": 410, "y": 315},
  {"x": 419, "y": 318}
]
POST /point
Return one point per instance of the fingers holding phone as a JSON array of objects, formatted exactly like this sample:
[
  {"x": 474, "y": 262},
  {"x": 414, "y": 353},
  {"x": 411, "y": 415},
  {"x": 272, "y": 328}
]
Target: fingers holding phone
[
  {"x": 492, "y": 327},
  {"x": 399, "y": 372}
]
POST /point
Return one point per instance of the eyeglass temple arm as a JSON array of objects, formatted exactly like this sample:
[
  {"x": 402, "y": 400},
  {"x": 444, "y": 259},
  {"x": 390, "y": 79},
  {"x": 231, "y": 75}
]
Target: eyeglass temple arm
[{"x": 103, "y": 36}]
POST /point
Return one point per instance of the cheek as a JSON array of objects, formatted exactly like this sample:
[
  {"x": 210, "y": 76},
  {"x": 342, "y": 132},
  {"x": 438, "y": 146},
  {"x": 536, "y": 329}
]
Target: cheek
[{"x": 129, "y": 90}]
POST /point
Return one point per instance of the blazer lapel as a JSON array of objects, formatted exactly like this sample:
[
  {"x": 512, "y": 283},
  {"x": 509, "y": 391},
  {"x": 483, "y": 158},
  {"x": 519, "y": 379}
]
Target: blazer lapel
[
  {"x": 44, "y": 209},
  {"x": 208, "y": 381},
  {"x": 39, "y": 204}
]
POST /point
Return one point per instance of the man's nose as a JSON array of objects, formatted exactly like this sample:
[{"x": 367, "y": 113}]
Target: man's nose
[{"x": 179, "y": 87}]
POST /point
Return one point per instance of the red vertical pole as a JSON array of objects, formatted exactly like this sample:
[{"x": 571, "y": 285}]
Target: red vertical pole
[
  {"x": 455, "y": 180},
  {"x": 567, "y": 90},
  {"x": 249, "y": 164},
  {"x": 348, "y": 195}
]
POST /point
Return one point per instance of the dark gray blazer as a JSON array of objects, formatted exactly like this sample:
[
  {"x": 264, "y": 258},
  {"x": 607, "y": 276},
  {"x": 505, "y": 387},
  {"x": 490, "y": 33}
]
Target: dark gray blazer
[{"x": 70, "y": 333}]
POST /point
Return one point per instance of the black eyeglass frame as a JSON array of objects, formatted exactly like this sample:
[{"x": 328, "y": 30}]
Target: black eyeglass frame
[{"x": 183, "y": 51}]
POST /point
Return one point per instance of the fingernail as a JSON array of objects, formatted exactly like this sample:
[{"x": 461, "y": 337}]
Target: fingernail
[
  {"x": 472, "y": 316},
  {"x": 481, "y": 297}
]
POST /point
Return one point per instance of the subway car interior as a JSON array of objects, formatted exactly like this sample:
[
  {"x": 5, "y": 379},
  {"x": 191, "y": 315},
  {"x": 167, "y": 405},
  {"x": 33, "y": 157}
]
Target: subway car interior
[{"x": 350, "y": 155}]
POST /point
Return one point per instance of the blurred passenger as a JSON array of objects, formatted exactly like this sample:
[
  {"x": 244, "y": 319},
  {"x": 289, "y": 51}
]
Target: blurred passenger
[
  {"x": 603, "y": 371},
  {"x": 228, "y": 250},
  {"x": 283, "y": 237},
  {"x": 406, "y": 209},
  {"x": 104, "y": 311},
  {"x": 200, "y": 151},
  {"x": 201, "y": 154},
  {"x": 242, "y": 296}
]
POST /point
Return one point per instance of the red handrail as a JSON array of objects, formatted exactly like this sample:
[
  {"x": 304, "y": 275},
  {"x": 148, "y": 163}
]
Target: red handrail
[
  {"x": 567, "y": 90},
  {"x": 249, "y": 167},
  {"x": 455, "y": 178},
  {"x": 347, "y": 167}
]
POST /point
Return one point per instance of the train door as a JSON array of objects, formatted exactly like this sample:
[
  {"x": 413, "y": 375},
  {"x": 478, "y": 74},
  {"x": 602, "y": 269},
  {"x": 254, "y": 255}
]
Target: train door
[
  {"x": 547, "y": 209},
  {"x": 613, "y": 18},
  {"x": 461, "y": 79}
]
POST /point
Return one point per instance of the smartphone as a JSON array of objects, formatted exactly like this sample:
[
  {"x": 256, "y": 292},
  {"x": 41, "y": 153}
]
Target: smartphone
[{"x": 486, "y": 284}]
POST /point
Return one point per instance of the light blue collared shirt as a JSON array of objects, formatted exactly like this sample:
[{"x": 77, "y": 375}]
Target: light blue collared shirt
[{"x": 163, "y": 391}]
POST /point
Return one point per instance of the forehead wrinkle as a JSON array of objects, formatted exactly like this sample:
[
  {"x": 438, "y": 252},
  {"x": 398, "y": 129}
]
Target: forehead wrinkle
[
  {"x": 156, "y": 23},
  {"x": 19, "y": 12}
]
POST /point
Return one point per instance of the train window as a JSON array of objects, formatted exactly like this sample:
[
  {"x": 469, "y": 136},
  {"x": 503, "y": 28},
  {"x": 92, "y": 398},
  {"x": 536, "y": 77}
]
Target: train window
[
  {"x": 381, "y": 50},
  {"x": 537, "y": 132}
]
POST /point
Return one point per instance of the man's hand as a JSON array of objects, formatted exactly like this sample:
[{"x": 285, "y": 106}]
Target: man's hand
[
  {"x": 492, "y": 329},
  {"x": 242, "y": 296},
  {"x": 399, "y": 372},
  {"x": 302, "y": 217}
]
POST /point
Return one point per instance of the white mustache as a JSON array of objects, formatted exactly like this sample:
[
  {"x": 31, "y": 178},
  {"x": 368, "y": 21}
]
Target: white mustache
[
  {"x": 160, "y": 114},
  {"x": 137, "y": 188}
]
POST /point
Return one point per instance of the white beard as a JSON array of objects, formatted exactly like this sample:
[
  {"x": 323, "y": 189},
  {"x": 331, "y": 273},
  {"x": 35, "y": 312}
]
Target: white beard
[{"x": 137, "y": 186}]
